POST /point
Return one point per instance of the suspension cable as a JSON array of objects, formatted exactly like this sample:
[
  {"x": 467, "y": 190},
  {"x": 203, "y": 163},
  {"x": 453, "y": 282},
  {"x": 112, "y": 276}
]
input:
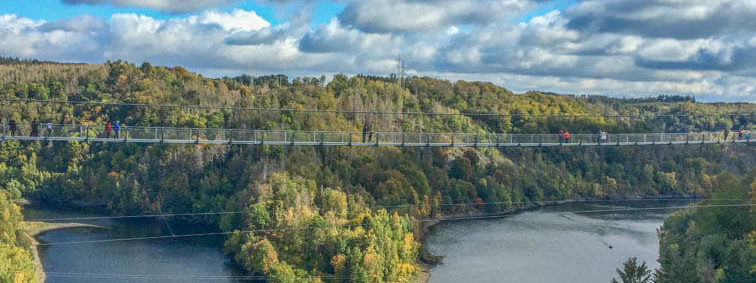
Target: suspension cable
[{"x": 365, "y": 112}]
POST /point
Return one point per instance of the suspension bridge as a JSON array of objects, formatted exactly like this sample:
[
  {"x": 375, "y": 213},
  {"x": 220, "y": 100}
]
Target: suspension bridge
[{"x": 173, "y": 135}]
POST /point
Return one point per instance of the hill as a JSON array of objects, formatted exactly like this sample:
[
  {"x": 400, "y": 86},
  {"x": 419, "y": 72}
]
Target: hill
[{"x": 328, "y": 213}]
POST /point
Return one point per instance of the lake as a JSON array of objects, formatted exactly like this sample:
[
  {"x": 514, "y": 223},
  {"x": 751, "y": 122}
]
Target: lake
[
  {"x": 190, "y": 259},
  {"x": 562, "y": 243}
]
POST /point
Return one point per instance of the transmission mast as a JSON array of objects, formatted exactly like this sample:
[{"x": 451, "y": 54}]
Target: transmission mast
[{"x": 400, "y": 71}]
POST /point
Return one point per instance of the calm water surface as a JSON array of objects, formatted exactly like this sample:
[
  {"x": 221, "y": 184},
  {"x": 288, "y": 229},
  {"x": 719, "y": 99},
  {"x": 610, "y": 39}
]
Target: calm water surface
[
  {"x": 555, "y": 244},
  {"x": 196, "y": 259}
]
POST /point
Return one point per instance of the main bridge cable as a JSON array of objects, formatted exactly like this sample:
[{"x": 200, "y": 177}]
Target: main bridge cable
[
  {"x": 174, "y": 276},
  {"x": 366, "y": 112},
  {"x": 484, "y": 216},
  {"x": 212, "y": 213}
]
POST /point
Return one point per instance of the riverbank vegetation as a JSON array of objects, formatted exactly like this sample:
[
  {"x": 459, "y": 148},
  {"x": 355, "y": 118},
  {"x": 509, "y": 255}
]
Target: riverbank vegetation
[
  {"x": 712, "y": 245},
  {"x": 336, "y": 214},
  {"x": 16, "y": 260},
  {"x": 713, "y": 242}
]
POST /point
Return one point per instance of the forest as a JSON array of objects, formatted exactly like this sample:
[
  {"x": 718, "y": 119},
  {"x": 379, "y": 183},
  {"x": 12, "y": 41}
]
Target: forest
[
  {"x": 336, "y": 214},
  {"x": 712, "y": 246},
  {"x": 712, "y": 242}
]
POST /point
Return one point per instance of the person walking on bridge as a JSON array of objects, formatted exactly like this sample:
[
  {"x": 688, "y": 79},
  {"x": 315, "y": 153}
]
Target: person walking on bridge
[
  {"x": 117, "y": 129},
  {"x": 726, "y": 132},
  {"x": 567, "y": 137},
  {"x": 364, "y": 132},
  {"x": 12, "y": 126},
  {"x": 602, "y": 136},
  {"x": 35, "y": 128},
  {"x": 49, "y": 129},
  {"x": 108, "y": 128},
  {"x": 370, "y": 134}
]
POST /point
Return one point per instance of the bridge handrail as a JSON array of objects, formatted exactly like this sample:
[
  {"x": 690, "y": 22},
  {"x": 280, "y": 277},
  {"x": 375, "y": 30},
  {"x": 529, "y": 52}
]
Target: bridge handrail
[{"x": 87, "y": 130}]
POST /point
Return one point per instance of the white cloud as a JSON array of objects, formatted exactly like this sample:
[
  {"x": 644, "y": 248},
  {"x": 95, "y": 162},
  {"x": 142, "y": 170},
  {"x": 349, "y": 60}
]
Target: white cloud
[
  {"x": 333, "y": 37},
  {"x": 452, "y": 30},
  {"x": 179, "y": 6},
  {"x": 238, "y": 20},
  {"x": 705, "y": 48},
  {"x": 384, "y": 16},
  {"x": 665, "y": 18}
]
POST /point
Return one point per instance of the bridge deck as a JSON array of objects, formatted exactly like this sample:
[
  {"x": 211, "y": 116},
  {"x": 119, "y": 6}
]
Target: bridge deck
[{"x": 83, "y": 133}]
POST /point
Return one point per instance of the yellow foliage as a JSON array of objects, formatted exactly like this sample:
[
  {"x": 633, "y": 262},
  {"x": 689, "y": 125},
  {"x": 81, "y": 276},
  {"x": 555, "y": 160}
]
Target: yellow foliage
[
  {"x": 368, "y": 259},
  {"x": 338, "y": 262}
]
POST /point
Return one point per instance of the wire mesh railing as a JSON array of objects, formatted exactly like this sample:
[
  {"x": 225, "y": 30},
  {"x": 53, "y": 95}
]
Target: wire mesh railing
[{"x": 83, "y": 132}]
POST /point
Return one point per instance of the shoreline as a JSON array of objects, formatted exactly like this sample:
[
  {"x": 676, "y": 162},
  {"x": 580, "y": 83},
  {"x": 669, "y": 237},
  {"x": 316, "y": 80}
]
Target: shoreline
[
  {"x": 425, "y": 272},
  {"x": 34, "y": 229}
]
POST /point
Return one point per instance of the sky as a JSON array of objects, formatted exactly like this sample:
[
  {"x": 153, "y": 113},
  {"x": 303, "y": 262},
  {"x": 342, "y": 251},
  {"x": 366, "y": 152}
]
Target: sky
[{"x": 617, "y": 48}]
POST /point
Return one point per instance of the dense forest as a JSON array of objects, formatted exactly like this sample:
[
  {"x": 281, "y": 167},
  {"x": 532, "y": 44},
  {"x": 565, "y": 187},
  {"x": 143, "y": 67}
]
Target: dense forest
[
  {"x": 716, "y": 245},
  {"x": 338, "y": 214},
  {"x": 715, "y": 241}
]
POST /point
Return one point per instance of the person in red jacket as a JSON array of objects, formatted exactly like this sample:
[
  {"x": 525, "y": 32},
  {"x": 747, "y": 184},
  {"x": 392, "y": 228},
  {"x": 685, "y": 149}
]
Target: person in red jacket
[
  {"x": 567, "y": 137},
  {"x": 108, "y": 128}
]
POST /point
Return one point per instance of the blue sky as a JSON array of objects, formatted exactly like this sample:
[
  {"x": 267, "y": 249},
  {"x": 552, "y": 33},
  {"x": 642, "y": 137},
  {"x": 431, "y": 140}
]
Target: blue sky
[
  {"x": 51, "y": 10},
  {"x": 610, "y": 47},
  {"x": 546, "y": 7}
]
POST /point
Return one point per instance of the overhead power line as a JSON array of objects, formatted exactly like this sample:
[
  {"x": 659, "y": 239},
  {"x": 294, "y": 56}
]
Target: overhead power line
[
  {"x": 365, "y": 112},
  {"x": 193, "y": 235},
  {"x": 213, "y": 213},
  {"x": 173, "y": 276},
  {"x": 471, "y": 217},
  {"x": 490, "y": 216}
]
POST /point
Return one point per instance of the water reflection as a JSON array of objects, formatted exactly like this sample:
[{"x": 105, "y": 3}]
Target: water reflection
[{"x": 552, "y": 244}]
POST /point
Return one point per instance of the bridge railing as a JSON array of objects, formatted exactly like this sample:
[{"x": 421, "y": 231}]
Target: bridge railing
[{"x": 215, "y": 135}]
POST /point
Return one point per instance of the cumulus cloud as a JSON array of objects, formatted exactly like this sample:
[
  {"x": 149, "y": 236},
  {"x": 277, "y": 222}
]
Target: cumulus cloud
[
  {"x": 610, "y": 47},
  {"x": 177, "y": 6},
  {"x": 665, "y": 18},
  {"x": 333, "y": 37},
  {"x": 383, "y": 16}
]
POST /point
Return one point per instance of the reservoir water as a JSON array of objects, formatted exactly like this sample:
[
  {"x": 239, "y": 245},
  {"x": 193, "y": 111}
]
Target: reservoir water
[
  {"x": 190, "y": 259},
  {"x": 583, "y": 242},
  {"x": 562, "y": 243}
]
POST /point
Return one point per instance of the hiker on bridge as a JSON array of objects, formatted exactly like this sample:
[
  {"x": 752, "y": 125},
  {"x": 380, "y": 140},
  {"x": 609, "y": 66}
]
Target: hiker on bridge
[
  {"x": 747, "y": 136},
  {"x": 564, "y": 136},
  {"x": 117, "y": 129},
  {"x": 35, "y": 128},
  {"x": 108, "y": 128},
  {"x": 12, "y": 126},
  {"x": 365, "y": 130},
  {"x": 602, "y": 136},
  {"x": 726, "y": 132},
  {"x": 49, "y": 129}
]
